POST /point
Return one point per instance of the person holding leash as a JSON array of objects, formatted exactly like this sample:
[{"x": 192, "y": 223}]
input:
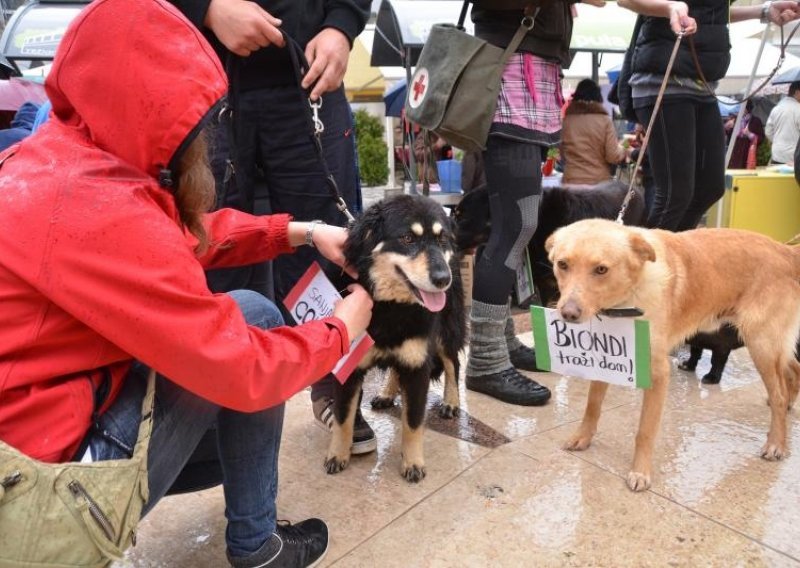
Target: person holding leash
[
  {"x": 687, "y": 145},
  {"x": 273, "y": 164},
  {"x": 105, "y": 240}
]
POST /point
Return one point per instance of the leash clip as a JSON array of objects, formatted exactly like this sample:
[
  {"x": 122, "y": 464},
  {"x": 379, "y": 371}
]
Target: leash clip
[{"x": 319, "y": 127}]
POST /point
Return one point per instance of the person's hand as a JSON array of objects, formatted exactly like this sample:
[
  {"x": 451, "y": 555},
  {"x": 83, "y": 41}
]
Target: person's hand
[
  {"x": 596, "y": 3},
  {"x": 355, "y": 310},
  {"x": 242, "y": 26},
  {"x": 783, "y": 11},
  {"x": 679, "y": 19},
  {"x": 327, "y": 55},
  {"x": 329, "y": 240}
]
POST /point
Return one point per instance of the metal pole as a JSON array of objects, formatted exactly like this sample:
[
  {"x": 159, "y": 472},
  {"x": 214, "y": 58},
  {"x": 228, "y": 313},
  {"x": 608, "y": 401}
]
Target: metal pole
[
  {"x": 412, "y": 162},
  {"x": 389, "y": 125},
  {"x": 737, "y": 126}
]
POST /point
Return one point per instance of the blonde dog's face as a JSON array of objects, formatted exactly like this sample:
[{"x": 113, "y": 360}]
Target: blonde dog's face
[{"x": 597, "y": 264}]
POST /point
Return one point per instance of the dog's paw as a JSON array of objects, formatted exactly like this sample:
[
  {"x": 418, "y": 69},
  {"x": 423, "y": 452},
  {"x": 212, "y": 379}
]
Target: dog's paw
[
  {"x": 709, "y": 379},
  {"x": 638, "y": 481},
  {"x": 413, "y": 473},
  {"x": 686, "y": 366},
  {"x": 773, "y": 452},
  {"x": 578, "y": 442},
  {"x": 447, "y": 411},
  {"x": 381, "y": 402},
  {"x": 335, "y": 464}
]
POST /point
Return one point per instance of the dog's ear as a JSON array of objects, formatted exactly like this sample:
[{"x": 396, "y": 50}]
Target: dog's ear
[
  {"x": 362, "y": 235},
  {"x": 642, "y": 248},
  {"x": 548, "y": 245}
]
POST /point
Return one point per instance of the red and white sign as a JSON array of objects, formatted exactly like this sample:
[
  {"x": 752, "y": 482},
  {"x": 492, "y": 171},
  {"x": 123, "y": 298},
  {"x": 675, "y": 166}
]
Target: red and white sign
[
  {"x": 313, "y": 298},
  {"x": 419, "y": 87}
]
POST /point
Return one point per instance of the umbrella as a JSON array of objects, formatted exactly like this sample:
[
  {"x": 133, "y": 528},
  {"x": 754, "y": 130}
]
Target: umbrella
[
  {"x": 727, "y": 106},
  {"x": 788, "y": 76},
  {"x": 395, "y": 99},
  {"x": 613, "y": 73},
  {"x": 15, "y": 91}
]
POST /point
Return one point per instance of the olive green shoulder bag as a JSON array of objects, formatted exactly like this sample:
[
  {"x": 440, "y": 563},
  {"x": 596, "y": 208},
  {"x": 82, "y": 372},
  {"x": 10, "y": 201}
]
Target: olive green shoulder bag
[
  {"x": 454, "y": 89},
  {"x": 72, "y": 514}
]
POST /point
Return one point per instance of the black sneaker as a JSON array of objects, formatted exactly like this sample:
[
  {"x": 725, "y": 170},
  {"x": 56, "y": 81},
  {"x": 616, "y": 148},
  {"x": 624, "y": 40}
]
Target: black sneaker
[
  {"x": 524, "y": 358},
  {"x": 291, "y": 546},
  {"x": 510, "y": 386},
  {"x": 364, "y": 440}
]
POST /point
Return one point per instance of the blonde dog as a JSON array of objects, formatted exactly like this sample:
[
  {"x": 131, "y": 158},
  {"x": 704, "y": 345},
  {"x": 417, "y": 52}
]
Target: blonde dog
[{"x": 684, "y": 282}]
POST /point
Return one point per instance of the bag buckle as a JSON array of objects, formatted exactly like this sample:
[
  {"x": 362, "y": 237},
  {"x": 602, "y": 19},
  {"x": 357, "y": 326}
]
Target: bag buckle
[
  {"x": 9, "y": 481},
  {"x": 527, "y": 22}
]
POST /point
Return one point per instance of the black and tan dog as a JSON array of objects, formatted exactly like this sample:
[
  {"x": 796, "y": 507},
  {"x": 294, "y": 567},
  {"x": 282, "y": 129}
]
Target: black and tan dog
[{"x": 405, "y": 254}]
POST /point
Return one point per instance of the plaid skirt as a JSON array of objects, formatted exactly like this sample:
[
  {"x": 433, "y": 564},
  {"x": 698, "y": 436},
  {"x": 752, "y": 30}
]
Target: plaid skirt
[{"x": 530, "y": 100}]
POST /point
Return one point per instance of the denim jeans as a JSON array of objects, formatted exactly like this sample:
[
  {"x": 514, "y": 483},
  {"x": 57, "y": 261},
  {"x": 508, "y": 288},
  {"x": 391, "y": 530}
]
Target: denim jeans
[{"x": 244, "y": 458}]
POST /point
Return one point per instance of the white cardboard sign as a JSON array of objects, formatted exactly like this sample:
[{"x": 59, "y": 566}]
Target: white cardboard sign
[
  {"x": 612, "y": 350},
  {"x": 313, "y": 298}
]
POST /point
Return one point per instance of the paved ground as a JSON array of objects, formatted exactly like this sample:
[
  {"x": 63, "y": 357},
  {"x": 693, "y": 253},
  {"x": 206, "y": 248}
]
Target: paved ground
[{"x": 500, "y": 491}]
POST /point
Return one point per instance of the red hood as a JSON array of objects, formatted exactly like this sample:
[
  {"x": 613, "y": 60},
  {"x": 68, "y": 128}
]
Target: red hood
[{"x": 173, "y": 64}]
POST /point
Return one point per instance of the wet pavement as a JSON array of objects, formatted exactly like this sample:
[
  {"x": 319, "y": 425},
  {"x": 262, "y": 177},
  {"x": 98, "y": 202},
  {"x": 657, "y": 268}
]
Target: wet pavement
[{"x": 500, "y": 491}]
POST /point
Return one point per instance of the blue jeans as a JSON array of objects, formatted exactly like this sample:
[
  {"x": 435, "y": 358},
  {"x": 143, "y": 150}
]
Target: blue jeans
[{"x": 244, "y": 458}]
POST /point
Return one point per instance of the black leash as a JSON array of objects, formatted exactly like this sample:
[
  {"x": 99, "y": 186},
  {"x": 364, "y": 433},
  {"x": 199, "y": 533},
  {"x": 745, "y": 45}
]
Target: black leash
[
  {"x": 315, "y": 128},
  {"x": 315, "y": 125},
  {"x": 764, "y": 83}
]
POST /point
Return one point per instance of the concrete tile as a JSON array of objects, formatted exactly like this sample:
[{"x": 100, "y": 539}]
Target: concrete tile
[
  {"x": 355, "y": 503},
  {"x": 512, "y": 510},
  {"x": 706, "y": 459}
]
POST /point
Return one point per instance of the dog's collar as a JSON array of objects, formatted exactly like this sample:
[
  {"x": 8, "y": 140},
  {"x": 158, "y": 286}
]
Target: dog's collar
[{"x": 631, "y": 312}]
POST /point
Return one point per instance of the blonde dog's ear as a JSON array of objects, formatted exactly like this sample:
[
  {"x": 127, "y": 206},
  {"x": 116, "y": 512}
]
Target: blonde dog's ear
[
  {"x": 642, "y": 248},
  {"x": 548, "y": 245}
]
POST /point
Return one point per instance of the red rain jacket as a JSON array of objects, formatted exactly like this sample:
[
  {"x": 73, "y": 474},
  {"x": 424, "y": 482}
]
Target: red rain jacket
[{"x": 95, "y": 270}]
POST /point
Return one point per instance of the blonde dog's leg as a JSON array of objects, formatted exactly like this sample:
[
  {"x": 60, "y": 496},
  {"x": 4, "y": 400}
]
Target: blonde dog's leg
[
  {"x": 776, "y": 376},
  {"x": 793, "y": 382},
  {"x": 649, "y": 422},
  {"x": 581, "y": 439}
]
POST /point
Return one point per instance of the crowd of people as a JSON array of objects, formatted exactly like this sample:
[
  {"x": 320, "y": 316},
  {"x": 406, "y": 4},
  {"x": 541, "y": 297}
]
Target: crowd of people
[{"x": 146, "y": 242}]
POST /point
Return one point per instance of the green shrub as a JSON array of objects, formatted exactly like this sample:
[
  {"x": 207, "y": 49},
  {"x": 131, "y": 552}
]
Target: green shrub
[
  {"x": 372, "y": 161},
  {"x": 763, "y": 152}
]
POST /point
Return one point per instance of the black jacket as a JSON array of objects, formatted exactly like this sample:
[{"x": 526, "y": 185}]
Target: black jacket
[
  {"x": 549, "y": 38},
  {"x": 302, "y": 20},
  {"x": 712, "y": 43}
]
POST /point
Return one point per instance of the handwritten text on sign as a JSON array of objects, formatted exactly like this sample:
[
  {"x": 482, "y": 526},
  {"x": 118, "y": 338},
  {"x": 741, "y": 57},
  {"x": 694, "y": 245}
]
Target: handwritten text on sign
[
  {"x": 613, "y": 350},
  {"x": 313, "y": 298}
]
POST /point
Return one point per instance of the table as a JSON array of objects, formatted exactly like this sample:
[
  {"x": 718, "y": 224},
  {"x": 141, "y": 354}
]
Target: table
[{"x": 762, "y": 200}]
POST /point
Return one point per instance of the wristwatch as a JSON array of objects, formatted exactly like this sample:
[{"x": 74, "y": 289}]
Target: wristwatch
[
  {"x": 765, "y": 12},
  {"x": 310, "y": 232}
]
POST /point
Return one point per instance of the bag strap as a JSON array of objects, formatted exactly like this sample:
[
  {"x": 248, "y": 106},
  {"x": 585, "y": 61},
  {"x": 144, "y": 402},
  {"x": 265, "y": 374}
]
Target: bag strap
[
  {"x": 463, "y": 16},
  {"x": 525, "y": 26},
  {"x": 315, "y": 125},
  {"x": 146, "y": 425}
]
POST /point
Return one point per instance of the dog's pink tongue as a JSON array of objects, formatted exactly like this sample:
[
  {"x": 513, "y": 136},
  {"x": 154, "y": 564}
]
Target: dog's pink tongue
[{"x": 434, "y": 301}]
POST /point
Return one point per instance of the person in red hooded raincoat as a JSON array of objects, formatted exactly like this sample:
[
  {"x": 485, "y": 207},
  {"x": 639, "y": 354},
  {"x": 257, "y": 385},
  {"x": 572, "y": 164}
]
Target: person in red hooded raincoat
[{"x": 104, "y": 241}]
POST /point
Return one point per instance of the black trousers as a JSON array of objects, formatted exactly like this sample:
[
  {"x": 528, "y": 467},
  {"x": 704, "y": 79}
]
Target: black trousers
[
  {"x": 687, "y": 158},
  {"x": 277, "y": 171}
]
